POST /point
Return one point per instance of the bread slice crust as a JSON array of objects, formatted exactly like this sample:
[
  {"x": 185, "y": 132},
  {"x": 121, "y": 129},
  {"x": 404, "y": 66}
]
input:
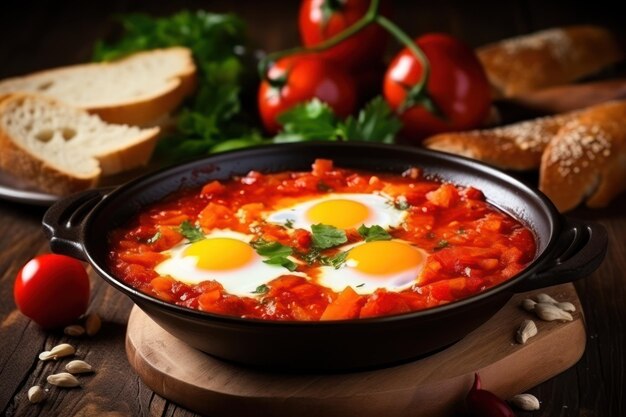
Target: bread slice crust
[
  {"x": 133, "y": 110},
  {"x": 48, "y": 176}
]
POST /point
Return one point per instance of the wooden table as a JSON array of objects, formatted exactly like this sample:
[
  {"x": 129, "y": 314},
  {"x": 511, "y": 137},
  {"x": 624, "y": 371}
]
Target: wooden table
[{"x": 36, "y": 35}]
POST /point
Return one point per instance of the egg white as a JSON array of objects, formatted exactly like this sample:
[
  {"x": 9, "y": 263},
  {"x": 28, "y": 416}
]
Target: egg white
[
  {"x": 363, "y": 283},
  {"x": 382, "y": 213},
  {"x": 241, "y": 281}
]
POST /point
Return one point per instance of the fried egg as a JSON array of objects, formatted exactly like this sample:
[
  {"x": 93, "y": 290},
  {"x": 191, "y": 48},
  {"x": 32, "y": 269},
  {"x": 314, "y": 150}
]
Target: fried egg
[
  {"x": 344, "y": 211},
  {"x": 391, "y": 264},
  {"x": 224, "y": 256}
]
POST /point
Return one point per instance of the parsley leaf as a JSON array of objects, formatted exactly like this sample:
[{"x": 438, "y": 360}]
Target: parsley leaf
[
  {"x": 336, "y": 261},
  {"x": 213, "y": 119},
  {"x": 313, "y": 120},
  {"x": 311, "y": 256},
  {"x": 190, "y": 231},
  {"x": 154, "y": 238},
  {"x": 442, "y": 244},
  {"x": 373, "y": 233},
  {"x": 276, "y": 253},
  {"x": 289, "y": 223},
  {"x": 272, "y": 249},
  {"x": 282, "y": 261},
  {"x": 375, "y": 123},
  {"x": 261, "y": 289},
  {"x": 360, "y": 285},
  {"x": 324, "y": 236},
  {"x": 401, "y": 204}
]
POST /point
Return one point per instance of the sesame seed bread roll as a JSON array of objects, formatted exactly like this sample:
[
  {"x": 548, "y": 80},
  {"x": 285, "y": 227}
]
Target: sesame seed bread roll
[
  {"x": 586, "y": 160},
  {"x": 517, "y": 146},
  {"x": 548, "y": 58}
]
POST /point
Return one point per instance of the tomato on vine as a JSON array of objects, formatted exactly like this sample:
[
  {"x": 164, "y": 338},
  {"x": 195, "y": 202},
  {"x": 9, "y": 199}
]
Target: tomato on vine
[
  {"x": 457, "y": 95},
  {"x": 52, "y": 290},
  {"x": 296, "y": 79},
  {"x": 321, "y": 20}
]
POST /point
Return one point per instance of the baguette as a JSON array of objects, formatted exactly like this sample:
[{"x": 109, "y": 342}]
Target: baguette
[
  {"x": 518, "y": 146},
  {"x": 586, "y": 160},
  {"x": 135, "y": 90},
  {"x": 60, "y": 149},
  {"x": 548, "y": 58}
]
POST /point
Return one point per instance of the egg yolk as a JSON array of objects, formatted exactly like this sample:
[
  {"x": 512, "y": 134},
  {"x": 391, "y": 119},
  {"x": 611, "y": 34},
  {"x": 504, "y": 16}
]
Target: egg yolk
[
  {"x": 221, "y": 253},
  {"x": 384, "y": 257},
  {"x": 340, "y": 213}
]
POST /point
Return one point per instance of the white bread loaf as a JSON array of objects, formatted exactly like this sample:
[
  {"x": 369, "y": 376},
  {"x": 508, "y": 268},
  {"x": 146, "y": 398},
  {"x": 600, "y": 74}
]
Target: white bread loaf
[
  {"x": 134, "y": 90},
  {"x": 61, "y": 149}
]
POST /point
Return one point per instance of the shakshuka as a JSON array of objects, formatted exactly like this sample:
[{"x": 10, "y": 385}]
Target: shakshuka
[{"x": 327, "y": 244}]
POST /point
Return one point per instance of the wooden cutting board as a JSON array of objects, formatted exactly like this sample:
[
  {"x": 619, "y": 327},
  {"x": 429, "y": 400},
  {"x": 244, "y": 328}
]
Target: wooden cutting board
[{"x": 433, "y": 386}]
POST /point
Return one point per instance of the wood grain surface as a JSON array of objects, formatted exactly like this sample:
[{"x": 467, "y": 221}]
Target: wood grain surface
[
  {"x": 431, "y": 387},
  {"x": 40, "y": 34}
]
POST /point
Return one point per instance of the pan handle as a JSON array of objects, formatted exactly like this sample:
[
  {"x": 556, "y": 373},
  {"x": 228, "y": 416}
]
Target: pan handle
[
  {"x": 579, "y": 251},
  {"x": 64, "y": 221}
]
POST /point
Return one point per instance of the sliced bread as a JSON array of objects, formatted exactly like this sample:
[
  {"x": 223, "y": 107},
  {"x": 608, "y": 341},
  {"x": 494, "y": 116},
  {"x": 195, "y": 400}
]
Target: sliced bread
[
  {"x": 61, "y": 149},
  {"x": 134, "y": 90}
]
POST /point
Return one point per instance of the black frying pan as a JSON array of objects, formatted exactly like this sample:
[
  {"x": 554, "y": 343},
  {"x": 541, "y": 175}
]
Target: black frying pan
[{"x": 566, "y": 250}]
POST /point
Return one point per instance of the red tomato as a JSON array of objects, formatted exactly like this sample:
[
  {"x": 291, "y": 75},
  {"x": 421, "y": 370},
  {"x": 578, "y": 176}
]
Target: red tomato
[
  {"x": 457, "y": 84},
  {"x": 323, "y": 19},
  {"x": 53, "y": 290},
  {"x": 298, "y": 79}
]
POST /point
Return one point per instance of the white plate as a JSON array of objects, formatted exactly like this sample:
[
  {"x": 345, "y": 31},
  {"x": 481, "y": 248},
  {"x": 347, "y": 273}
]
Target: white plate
[{"x": 13, "y": 189}]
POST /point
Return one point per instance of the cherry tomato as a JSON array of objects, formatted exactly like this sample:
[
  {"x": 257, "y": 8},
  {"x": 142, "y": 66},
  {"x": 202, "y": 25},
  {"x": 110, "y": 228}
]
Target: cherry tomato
[
  {"x": 296, "y": 79},
  {"x": 323, "y": 19},
  {"x": 53, "y": 290},
  {"x": 457, "y": 85}
]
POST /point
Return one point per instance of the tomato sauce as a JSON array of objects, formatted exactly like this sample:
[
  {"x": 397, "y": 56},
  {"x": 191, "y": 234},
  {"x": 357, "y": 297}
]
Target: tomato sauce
[{"x": 470, "y": 245}]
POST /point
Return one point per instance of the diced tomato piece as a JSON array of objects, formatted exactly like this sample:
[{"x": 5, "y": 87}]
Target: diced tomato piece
[
  {"x": 302, "y": 238},
  {"x": 383, "y": 303},
  {"x": 347, "y": 305},
  {"x": 489, "y": 263},
  {"x": 286, "y": 282},
  {"x": 147, "y": 259},
  {"x": 321, "y": 167},
  {"x": 207, "y": 299},
  {"x": 215, "y": 216},
  {"x": 212, "y": 188},
  {"x": 447, "y": 289},
  {"x": 473, "y": 194},
  {"x": 444, "y": 196}
]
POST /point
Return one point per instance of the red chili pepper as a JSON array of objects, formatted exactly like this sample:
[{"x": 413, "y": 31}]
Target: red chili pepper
[{"x": 483, "y": 403}]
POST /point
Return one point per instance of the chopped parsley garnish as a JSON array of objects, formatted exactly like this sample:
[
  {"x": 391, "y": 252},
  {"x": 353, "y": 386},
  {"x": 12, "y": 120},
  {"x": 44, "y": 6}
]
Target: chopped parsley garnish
[
  {"x": 324, "y": 236},
  {"x": 282, "y": 261},
  {"x": 289, "y": 223},
  {"x": 336, "y": 261},
  {"x": 311, "y": 256},
  {"x": 373, "y": 233},
  {"x": 272, "y": 249},
  {"x": 360, "y": 285},
  {"x": 442, "y": 244},
  {"x": 261, "y": 289},
  {"x": 323, "y": 187},
  {"x": 461, "y": 231},
  {"x": 154, "y": 238},
  {"x": 401, "y": 204},
  {"x": 276, "y": 252},
  {"x": 190, "y": 231}
]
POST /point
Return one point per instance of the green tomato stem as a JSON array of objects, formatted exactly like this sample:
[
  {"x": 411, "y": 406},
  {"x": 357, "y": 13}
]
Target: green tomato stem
[
  {"x": 420, "y": 87},
  {"x": 369, "y": 18}
]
